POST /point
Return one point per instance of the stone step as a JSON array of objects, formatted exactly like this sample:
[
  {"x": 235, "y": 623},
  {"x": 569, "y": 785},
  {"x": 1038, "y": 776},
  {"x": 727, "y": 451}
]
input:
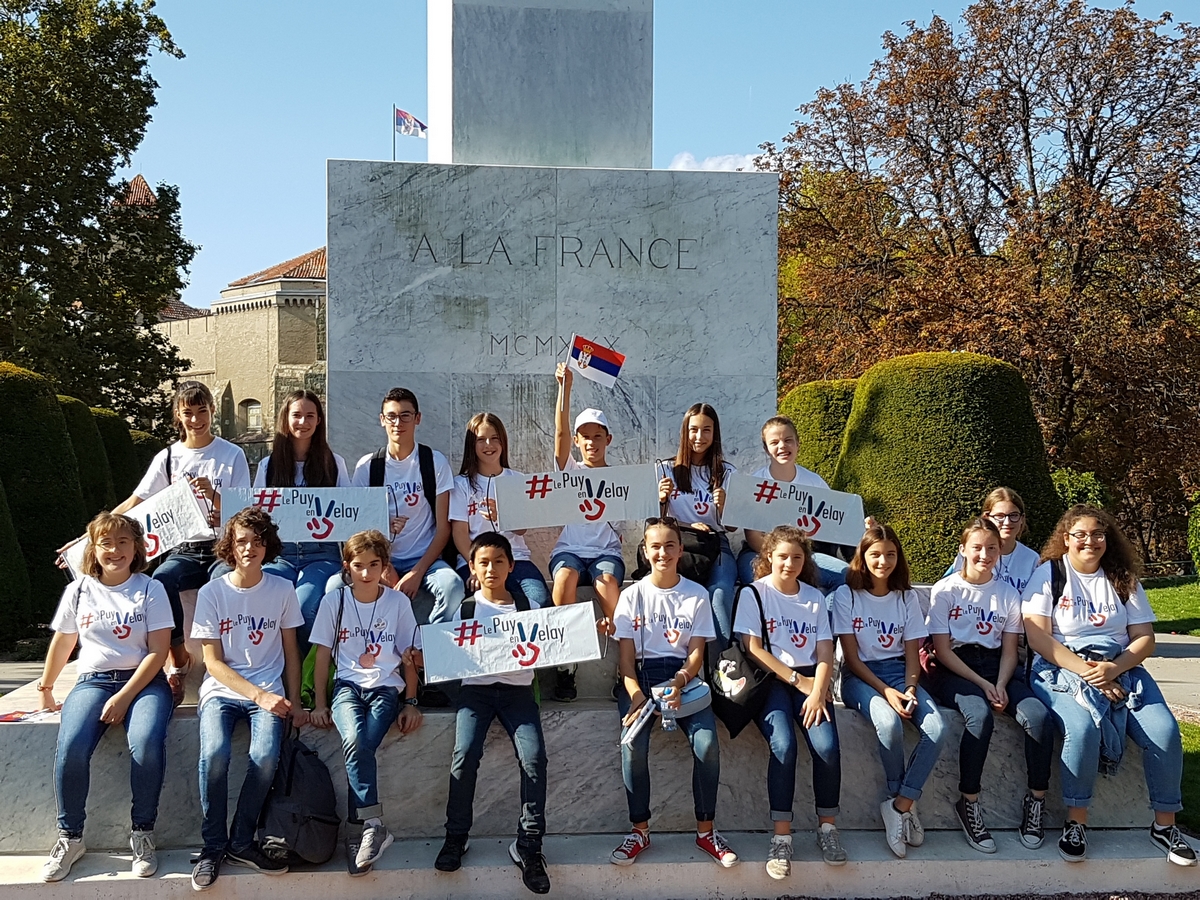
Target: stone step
[{"x": 1119, "y": 861}]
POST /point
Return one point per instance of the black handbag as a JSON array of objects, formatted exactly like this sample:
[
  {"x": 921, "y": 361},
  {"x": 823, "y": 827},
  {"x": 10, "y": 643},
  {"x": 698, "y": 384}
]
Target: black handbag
[
  {"x": 739, "y": 685},
  {"x": 700, "y": 551}
]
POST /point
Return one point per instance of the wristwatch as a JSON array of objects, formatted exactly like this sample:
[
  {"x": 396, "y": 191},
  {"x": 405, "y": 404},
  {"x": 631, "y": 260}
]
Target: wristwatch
[
  {"x": 410, "y": 701},
  {"x": 795, "y": 679}
]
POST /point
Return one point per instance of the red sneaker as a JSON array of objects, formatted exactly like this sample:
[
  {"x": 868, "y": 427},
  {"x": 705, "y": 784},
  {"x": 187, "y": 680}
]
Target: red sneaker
[
  {"x": 714, "y": 845},
  {"x": 635, "y": 842}
]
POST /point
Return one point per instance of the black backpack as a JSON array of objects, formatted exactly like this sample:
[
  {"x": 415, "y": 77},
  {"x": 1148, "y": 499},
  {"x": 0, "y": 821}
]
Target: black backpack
[
  {"x": 299, "y": 820},
  {"x": 428, "y": 487}
]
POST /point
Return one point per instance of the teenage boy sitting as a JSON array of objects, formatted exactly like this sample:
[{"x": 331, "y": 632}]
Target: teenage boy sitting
[
  {"x": 246, "y": 622},
  {"x": 510, "y": 698},
  {"x": 418, "y": 480},
  {"x": 584, "y": 554}
]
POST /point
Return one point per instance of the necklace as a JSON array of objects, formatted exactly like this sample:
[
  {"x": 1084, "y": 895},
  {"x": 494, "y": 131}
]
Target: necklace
[{"x": 368, "y": 659}]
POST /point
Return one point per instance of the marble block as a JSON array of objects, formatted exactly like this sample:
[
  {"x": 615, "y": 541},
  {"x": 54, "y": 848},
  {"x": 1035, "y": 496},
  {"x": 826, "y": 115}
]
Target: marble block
[
  {"x": 541, "y": 83},
  {"x": 465, "y": 283}
]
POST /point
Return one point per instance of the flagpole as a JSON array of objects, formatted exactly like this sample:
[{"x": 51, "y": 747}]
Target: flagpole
[{"x": 393, "y": 132}]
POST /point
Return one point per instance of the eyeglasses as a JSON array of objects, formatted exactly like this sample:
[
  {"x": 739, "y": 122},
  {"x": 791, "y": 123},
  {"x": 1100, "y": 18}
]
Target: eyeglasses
[
  {"x": 393, "y": 418},
  {"x": 1096, "y": 537},
  {"x": 1006, "y": 517}
]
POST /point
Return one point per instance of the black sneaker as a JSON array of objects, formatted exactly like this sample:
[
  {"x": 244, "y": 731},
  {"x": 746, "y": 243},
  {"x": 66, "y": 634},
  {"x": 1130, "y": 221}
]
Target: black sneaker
[
  {"x": 253, "y": 858},
  {"x": 352, "y": 866},
  {"x": 1172, "y": 843},
  {"x": 1072, "y": 846},
  {"x": 970, "y": 817},
  {"x": 207, "y": 869},
  {"x": 564, "y": 689},
  {"x": 1033, "y": 832},
  {"x": 449, "y": 858},
  {"x": 533, "y": 868}
]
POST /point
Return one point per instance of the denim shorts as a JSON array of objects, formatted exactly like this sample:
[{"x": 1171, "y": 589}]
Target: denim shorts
[{"x": 589, "y": 569}]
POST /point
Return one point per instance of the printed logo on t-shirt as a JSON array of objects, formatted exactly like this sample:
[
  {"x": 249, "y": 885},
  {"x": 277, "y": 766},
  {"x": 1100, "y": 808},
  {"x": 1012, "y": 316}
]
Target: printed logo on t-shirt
[
  {"x": 407, "y": 493},
  {"x": 120, "y": 623},
  {"x": 374, "y": 637},
  {"x": 988, "y": 620},
  {"x": 1098, "y": 613},
  {"x": 889, "y": 633},
  {"x": 256, "y": 627},
  {"x": 637, "y": 622},
  {"x": 801, "y": 632},
  {"x": 673, "y": 626}
]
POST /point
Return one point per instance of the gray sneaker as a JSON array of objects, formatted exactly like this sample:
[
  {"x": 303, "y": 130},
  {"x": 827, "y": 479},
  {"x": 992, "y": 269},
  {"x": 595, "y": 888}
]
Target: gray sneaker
[
  {"x": 375, "y": 839},
  {"x": 779, "y": 857},
  {"x": 145, "y": 860},
  {"x": 64, "y": 855},
  {"x": 830, "y": 843}
]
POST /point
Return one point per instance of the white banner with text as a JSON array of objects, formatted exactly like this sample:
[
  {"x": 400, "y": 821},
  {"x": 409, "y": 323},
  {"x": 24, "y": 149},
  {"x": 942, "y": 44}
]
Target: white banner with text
[
  {"x": 577, "y": 497},
  {"x": 513, "y": 642},
  {"x": 313, "y": 514},
  {"x": 824, "y": 515}
]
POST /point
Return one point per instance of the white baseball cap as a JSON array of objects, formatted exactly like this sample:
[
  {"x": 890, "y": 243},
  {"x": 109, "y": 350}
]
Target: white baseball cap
[{"x": 591, "y": 416}]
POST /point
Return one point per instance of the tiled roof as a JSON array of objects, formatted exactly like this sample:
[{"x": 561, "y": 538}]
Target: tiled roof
[
  {"x": 177, "y": 309},
  {"x": 310, "y": 265},
  {"x": 139, "y": 193}
]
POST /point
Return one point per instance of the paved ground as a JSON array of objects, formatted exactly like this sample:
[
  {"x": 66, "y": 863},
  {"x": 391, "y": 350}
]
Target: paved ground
[{"x": 15, "y": 674}]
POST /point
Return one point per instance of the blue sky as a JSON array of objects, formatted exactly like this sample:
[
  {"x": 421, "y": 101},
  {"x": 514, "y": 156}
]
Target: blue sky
[{"x": 270, "y": 89}]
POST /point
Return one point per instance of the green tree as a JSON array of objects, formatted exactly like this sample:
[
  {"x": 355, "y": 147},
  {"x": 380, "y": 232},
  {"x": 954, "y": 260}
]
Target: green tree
[
  {"x": 123, "y": 459},
  {"x": 85, "y": 267},
  {"x": 1025, "y": 186}
]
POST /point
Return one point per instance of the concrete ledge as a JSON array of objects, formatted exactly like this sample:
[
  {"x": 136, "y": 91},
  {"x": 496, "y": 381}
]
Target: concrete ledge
[{"x": 1119, "y": 861}]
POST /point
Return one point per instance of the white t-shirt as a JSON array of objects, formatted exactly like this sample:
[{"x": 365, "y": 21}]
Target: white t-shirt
[
  {"x": 222, "y": 463},
  {"x": 804, "y": 477},
  {"x": 1090, "y": 606},
  {"x": 467, "y": 504},
  {"x": 248, "y": 622},
  {"x": 113, "y": 623},
  {"x": 1015, "y": 568},
  {"x": 587, "y": 541},
  {"x": 385, "y": 629},
  {"x": 260, "y": 475},
  {"x": 880, "y": 624},
  {"x": 697, "y": 505},
  {"x": 662, "y": 621},
  {"x": 485, "y": 611},
  {"x": 974, "y": 613},
  {"x": 406, "y": 497},
  {"x": 795, "y": 622}
]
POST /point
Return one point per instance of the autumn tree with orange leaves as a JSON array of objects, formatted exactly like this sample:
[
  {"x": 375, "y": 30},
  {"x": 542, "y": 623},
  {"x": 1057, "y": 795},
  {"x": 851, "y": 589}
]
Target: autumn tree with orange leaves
[{"x": 1023, "y": 184}]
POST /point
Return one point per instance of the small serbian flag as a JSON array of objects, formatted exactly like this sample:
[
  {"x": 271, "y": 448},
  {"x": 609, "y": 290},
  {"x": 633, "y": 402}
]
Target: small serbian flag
[
  {"x": 594, "y": 361},
  {"x": 407, "y": 123}
]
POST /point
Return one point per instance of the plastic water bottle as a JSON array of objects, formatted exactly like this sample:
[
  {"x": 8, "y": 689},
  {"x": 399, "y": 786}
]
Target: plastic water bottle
[{"x": 668, "y": 714}]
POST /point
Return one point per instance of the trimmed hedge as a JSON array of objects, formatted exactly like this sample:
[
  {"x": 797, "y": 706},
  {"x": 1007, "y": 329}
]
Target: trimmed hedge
[
  {"x": 820, "y": 410},
  {"x": 14, "y": 581},
  {"x": 95, "y": 479},
  {"x": 122, "y": 457},
  {"x": 42, "y": 478},
  {"x": 928, "y": 436},
  {"x": 145, "y": 446}
]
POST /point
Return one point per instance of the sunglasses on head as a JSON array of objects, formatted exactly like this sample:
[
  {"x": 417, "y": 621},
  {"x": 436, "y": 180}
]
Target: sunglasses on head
[{"x": 669, "y": 521}]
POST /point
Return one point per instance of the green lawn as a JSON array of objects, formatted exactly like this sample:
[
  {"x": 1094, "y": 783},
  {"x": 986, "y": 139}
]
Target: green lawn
[
  {"x": 1176, "y": 602},
  {"x": 1190, "y": 817}
]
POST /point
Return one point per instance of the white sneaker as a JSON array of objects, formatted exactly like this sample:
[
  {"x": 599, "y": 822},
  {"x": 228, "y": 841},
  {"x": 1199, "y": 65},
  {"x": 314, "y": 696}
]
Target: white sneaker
[
  {"x": 145, "y": 860},
  {"x": 914, "y": 834},
  {"x": 893, "y": 826},
  {"x": 64, "y": 854},
  {"x": 779, "y": 857}
]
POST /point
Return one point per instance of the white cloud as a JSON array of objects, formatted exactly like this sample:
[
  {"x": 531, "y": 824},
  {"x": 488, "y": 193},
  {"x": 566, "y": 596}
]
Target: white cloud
[{"x": 730, "y": 162}]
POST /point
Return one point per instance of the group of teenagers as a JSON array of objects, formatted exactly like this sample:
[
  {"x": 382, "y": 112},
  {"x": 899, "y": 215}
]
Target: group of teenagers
[{"x": 801, "y": 614}]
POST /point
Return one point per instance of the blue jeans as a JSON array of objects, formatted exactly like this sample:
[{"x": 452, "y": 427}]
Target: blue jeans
[
  {"x": 362, "y": 717},
  {"x": 526, "y": 579},
  {"x": 79, "y": 733},
  {"x": 832, "y": 571},
  {"x": 217, "y": 718},
  {"x": 968, "y": 698},
  {"x": 1152, "y": 727},
  {"x": 783, "y": 707},
  {"x": 589, "y": 569},
  {"x": 721, "y": 581},
  {"x": 186, "y": 568},
  {"x": 308, "y": 565},
  {"x": 701, "y": 732},
  {"x": 439, "y": 597},
  {"x": 514, "y": 705},
  {"x": 905, "y": 780}
]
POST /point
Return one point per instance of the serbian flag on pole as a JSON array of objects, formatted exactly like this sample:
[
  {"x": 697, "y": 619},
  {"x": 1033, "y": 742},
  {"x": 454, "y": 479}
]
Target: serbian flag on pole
[
  {"x": 594, "y": 361},
  {"x": 407, "y": 123}
]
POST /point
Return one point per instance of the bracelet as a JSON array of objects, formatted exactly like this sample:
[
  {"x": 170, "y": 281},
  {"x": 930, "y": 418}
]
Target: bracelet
[
  {"x": 44, "y": 688},
  {"x": 686, "y": 676}
]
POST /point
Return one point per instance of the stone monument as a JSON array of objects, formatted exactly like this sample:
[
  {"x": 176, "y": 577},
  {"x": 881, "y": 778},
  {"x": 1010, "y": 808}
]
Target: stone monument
[{"x": 465, "y": 281}]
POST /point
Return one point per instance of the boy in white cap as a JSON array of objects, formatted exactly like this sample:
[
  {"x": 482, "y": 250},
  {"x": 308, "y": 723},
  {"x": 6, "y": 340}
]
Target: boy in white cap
[{"x": 584, "y": 554}]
